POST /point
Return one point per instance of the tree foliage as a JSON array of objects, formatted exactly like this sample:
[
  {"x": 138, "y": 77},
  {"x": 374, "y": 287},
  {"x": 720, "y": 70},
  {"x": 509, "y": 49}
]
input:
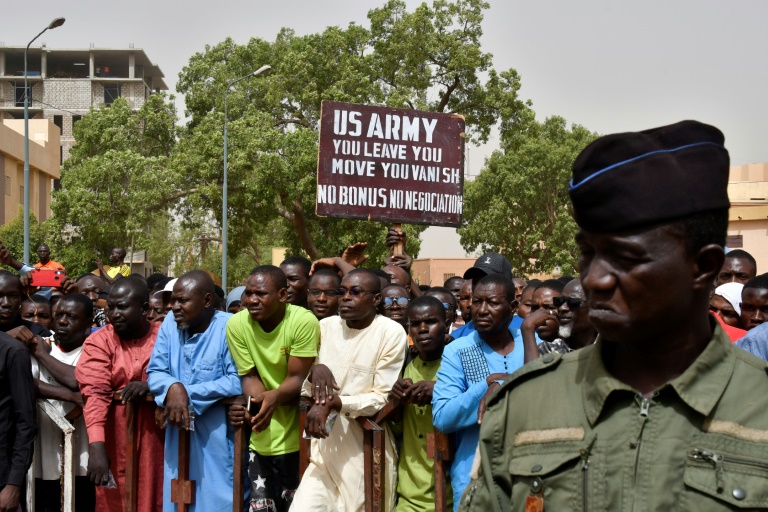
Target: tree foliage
[
  {"x": 12, "y": 236},
  {"x": 130, "y": 171},
  {"x": 428, "y": 59},
  {"x": 116, "y": 185},
  {"x": 518, "y": 205}
]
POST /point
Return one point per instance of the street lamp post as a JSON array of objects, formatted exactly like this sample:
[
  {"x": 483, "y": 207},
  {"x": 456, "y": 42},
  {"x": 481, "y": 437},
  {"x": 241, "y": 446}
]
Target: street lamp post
[
  {"x": 261, "y": 71},
  {"x": 55, "y": 23}
]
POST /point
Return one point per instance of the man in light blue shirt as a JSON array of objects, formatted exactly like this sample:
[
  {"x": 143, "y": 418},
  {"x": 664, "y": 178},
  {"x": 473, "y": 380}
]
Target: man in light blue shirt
[
  {"x": 756, "y": 341},
  {"x": 470, "y": 365},
  {"x": 189, "y": 371}
]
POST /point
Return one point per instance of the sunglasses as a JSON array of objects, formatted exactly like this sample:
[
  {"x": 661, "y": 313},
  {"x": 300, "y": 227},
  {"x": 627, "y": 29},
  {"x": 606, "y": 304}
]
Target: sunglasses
[
  {"x": 400, "y": 301},
  {"x": 355, "y": 291},
  {"x": 573, "y": 302},
  {"x": 314, "y": 292}
]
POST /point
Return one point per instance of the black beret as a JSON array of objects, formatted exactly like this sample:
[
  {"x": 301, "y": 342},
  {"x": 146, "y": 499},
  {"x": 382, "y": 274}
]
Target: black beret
[{"x": 628, "y": 180}]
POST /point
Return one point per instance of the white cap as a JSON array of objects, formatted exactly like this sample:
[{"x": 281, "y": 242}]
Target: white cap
[{"x": 168, "y": 287}]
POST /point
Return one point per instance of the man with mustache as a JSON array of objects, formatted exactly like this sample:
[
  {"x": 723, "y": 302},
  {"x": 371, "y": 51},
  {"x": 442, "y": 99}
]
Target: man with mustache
[
  {"x": 189, "y": 372},
  {"x": 662, "y": 412},
  {"x": 572, "y": 316},
  {"x": 360, "y": 358},
  {"x": 115, "y": 358},
  {"x": 470, "y": 365}
]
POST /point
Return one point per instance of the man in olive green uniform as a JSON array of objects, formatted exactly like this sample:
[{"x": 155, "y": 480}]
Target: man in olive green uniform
[{"x": 662, "y": 412}]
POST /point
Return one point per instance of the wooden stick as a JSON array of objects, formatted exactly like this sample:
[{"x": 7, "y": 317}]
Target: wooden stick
[
  {"x": 242, "y": 442},
  {"x": 305, "y": 445},
  {"x": 398, "y": 248},
  {"x": 439, "y": 449},
  {"x": 131, "y": 458}
]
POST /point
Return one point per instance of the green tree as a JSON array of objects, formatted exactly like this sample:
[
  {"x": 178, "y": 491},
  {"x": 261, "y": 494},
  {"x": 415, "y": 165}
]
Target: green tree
[
  {"x": 12, "y": 237},
  {"x": 518, "y": 205},
  {"x": 428, "y": 59},
  {"x": 117, "y": 186}
]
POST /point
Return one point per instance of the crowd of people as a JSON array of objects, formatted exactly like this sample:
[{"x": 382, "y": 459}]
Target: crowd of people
[{"x": 619, "y": 389}]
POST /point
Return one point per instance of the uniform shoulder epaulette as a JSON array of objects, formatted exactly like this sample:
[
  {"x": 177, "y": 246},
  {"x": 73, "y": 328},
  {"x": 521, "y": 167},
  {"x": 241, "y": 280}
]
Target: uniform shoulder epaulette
[{"x": 545, "y": 363}]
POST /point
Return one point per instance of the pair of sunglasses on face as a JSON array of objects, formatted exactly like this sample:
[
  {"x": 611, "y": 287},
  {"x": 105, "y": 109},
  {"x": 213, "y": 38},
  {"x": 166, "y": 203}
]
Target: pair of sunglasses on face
[
  {"x": 391, "y": 301},
  {"x": 573, "y": 302}
]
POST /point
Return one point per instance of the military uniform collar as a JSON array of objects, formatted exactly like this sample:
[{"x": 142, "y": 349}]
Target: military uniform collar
[{"x": 700, "y": 386}]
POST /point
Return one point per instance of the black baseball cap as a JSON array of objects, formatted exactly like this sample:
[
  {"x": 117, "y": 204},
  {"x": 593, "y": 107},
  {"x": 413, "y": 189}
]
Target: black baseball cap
[{"x": 489, "y": 263}]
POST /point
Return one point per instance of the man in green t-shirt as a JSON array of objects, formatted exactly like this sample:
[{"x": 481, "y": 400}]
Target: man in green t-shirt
[
  {"x": 415, "y": 477},
  {"x": 273, "y": 344}
]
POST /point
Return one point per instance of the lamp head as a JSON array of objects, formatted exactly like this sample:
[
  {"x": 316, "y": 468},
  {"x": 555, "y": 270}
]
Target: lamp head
[
  {"x": 56, "y": 23},
  {"x": 263, "y": 70}
]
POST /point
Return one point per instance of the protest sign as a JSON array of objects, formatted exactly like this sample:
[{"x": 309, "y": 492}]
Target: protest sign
[{"x": 391, "y": 165}]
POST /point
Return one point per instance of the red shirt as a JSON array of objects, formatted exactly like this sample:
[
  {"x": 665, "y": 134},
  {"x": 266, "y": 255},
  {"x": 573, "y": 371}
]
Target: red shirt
[{"x": 733, "y": 332}]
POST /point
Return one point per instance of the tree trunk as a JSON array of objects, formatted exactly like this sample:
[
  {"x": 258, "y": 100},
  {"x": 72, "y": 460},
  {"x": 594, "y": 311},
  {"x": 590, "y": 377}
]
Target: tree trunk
[{"x": 300, "y": 225}]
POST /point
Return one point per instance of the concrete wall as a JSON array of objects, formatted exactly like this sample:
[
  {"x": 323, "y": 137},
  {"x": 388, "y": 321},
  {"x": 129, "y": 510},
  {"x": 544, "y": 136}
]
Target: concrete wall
[
  {"x": 434, "y": 271},
  {"x": 43, "y": 162},
  {"x": 67, "y": 96}
]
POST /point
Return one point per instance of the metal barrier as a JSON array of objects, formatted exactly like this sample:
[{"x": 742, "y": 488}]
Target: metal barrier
[{"x": 68, "y": 471}]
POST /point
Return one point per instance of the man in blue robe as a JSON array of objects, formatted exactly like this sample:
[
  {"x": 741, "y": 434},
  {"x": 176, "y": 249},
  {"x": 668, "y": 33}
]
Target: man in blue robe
[{"x": 189, "y": 371}]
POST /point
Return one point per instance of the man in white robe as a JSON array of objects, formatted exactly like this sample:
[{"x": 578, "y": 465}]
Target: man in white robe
[{"x": 360, "y": 358}]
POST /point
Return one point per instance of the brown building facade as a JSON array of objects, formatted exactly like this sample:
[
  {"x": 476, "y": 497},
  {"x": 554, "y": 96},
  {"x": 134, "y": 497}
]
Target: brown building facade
[
  {"x": 65, "y": 83},
  {"x": 748, "y": 218},
  {"x": 43, "y": 167}
]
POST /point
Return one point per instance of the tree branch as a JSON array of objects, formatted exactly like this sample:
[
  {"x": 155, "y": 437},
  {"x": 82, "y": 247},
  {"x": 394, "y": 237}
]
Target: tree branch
[
  {"x": 300, "y": 225},
  {"x": 293, "y": 121},
  {"x": 447, "y": 96}
]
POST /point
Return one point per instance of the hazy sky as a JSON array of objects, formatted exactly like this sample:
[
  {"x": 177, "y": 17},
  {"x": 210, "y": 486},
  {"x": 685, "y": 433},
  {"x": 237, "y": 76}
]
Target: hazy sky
[{"x": 609, "y": 65}]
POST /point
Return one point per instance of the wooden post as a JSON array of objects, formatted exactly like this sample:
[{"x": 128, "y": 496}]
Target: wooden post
[
  {"x": 374, "y": 455},
  {"x": 182, "y": 488},
  {"x": 368, "y": 464},
  {"x": 305, "y": 445},
  {"x": 131, "y": 458},
  {"x": 439, "y": 449},
  {"x": 242, "y": 441},
  {"x": 378, "y": 437}
]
